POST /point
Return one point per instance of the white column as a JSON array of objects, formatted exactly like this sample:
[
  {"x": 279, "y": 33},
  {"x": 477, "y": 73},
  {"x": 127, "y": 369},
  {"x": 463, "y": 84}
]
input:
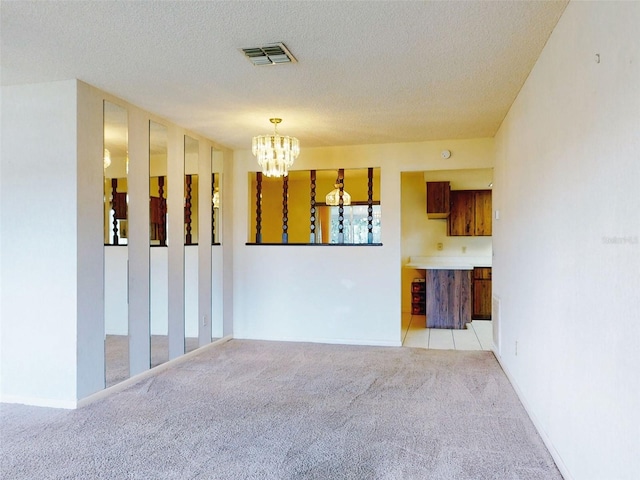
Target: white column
[
  {"x": 138, "y": 181},
  {"x": 204, "y": 243},
  {"x": 175, "y": 208},
  {"x": 90, "y": 250}
]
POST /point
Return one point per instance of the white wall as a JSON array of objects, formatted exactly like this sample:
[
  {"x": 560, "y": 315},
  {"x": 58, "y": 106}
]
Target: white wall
[
  {"x": 39, "y": 243},
  {"x": 336, "y": 294},
  {"x": 89, "y": 235},
  {"x": 567, "y": 248},
  {"x": 116, "y": 314},
  {"x": 159, "y": 290},
  {"x": 115, "y": 290},
  {"x": 191, "y": 291},
  {"x": 217, "y": 289}
]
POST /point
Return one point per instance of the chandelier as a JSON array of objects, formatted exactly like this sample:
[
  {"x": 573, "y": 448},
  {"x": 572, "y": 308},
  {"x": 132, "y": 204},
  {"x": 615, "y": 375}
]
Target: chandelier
[
  {"x": 275, "y": 153},
  {"x": 333, "y": 197},
  {"x": 216, "y": 199},
  {"x": 106, "y": 159}
]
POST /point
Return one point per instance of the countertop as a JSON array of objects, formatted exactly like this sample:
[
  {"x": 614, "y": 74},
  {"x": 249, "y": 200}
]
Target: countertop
[{"x": 448, "y": 263}]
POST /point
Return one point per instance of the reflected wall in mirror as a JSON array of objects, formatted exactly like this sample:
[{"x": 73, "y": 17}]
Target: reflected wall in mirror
[
  {"x": 191, "y": 158},
  {"x": 116, "y": 315},
  {"x": 191, "y": 153},
  {"x": 216, "y": 196},
  {"x": 306, "y": 206},
  {"x": 158, "y": 240}
]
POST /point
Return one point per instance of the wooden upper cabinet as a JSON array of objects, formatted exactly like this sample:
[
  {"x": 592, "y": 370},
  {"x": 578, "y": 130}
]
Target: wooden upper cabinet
[
  {"x": 461, "y": 218},
  {"x": 438, "y": 199},
  {"x": 483, "y": 212},
  {"x": 470, "y": 213}
]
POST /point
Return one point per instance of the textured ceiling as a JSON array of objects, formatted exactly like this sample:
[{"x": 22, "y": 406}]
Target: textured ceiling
[{"x": 367, "y": 72}]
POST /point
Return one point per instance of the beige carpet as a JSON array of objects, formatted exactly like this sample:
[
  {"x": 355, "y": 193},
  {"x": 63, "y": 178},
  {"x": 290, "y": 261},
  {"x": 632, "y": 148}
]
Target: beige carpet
[{"x": 272, "y": 410}]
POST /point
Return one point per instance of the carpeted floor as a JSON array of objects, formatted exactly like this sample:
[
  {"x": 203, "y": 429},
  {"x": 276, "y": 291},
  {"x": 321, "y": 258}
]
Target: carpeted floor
[{"x": 272, "y": 410}]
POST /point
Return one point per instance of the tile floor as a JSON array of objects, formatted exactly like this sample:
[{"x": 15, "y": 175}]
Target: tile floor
[{"x": 477, "y": 336}]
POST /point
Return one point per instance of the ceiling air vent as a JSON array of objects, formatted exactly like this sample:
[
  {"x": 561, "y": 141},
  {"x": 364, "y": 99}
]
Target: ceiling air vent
[{"x": 271, "y": 54}]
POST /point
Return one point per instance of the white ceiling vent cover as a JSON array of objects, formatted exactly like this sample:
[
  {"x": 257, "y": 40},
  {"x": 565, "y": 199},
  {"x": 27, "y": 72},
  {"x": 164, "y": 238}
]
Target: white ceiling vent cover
[{"x": 270, "y": 54}]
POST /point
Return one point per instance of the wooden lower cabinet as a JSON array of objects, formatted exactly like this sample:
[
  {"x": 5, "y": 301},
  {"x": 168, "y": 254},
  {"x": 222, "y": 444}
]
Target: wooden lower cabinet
[
  {"x": 481, "y": 293},
  {"x": 448, "y": 298}
]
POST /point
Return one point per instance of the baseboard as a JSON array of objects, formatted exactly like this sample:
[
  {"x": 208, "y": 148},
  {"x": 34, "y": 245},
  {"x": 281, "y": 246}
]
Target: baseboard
[
  {"x": 73, "y": 404},
  {"x": 329, "y": 341},
  {"x": 543, "y": 434},
  {"x": 38, "y": 402},
  {"x": 149, "y": 373}
]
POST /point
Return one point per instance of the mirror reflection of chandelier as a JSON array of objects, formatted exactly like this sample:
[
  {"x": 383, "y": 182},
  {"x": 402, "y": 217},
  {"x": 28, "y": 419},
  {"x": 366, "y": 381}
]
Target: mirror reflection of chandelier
[
  {"x": 275, "y": 153},
  {"x": 106, "y": 159},
  {"x": 333, "y": 197},
  {"x": 216, "y": 199}
]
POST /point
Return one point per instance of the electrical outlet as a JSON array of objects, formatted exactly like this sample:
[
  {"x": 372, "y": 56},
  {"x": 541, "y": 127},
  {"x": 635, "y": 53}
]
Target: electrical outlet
[
  {"x": 516, "y": 348},
  {"x": 439, "y": 245},
  {"x": 464, "y": 249}
]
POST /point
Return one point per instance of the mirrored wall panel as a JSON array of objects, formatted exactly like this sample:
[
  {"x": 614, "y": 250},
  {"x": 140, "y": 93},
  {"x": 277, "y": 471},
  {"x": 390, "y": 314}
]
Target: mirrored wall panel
[
  {"x": 216, "y": 240},
  {"x": 116, "y": 317},
  {"x": 191, "y": 158},
  {"x": 337, "y": 207},
  {"x": 158, "y": 241}
]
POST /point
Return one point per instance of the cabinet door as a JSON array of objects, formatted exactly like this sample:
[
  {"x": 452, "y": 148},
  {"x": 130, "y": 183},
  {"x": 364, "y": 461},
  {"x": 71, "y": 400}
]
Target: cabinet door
[
  {"x": 483, "y": 212},
  {"x": 482, "y": 273},
  {"x": 462, "y": 212},
  {"x": 481, "y": 293},
  {"x": 481, "y": 300},
  {"x": 438, "y": 199}
]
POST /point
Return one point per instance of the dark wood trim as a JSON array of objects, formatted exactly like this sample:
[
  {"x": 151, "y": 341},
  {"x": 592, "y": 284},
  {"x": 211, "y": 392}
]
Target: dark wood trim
[
  {"x": 213, "y": 210},
  {"x": 258, "y": 207},
  {"x": 163, "y": 212},
  {"x": 341, "y": 205},
  {"x": 312, "y": 207},
  {"x": 370, "y": 206},
  {"x": 114, "y": 199},
  {"x": 187, "y": 210},
  {"x": 285, "y": 209}
]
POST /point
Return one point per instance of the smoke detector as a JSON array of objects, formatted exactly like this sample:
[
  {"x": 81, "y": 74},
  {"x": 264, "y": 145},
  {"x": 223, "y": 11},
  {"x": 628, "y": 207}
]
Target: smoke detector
[{"x": 270, "y": 54}]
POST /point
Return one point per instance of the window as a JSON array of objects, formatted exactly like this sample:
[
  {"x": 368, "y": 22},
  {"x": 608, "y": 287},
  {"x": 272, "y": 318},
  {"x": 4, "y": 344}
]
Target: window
[{"x": 355, "y": 224}]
